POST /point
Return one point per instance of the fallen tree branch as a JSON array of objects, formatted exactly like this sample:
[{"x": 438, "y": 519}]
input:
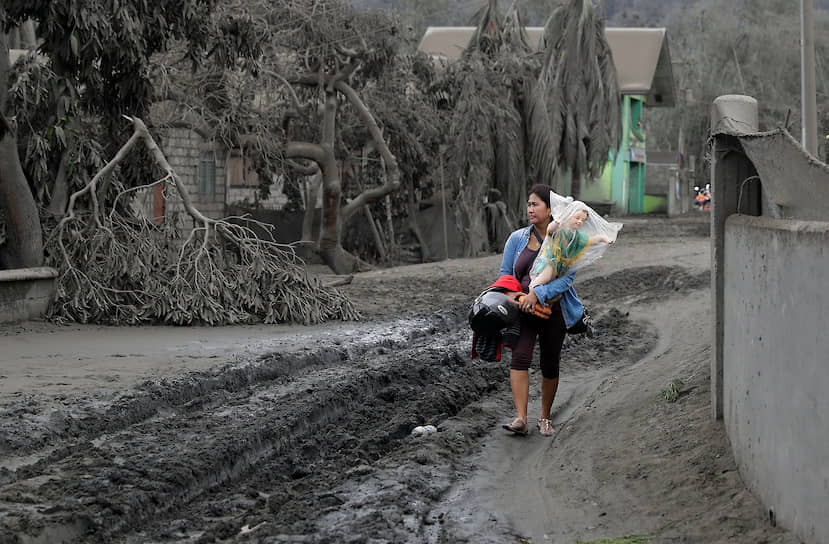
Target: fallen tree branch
[{"x": 124, "y": 269}]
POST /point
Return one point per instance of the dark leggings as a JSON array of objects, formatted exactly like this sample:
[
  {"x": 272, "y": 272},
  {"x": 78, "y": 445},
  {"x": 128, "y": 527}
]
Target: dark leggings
[{"x": 550, "y": 333}]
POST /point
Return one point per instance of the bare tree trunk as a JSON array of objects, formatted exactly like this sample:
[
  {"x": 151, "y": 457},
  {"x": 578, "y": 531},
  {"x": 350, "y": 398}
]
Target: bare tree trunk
[
  {"x": 378, "y": 239},
  {"x": 24, "y": 240},
  {"x": 392, "y": 181},
  {"x": 329, "y": 248},
  {"x": 425, "y": 255},
  {"x": 575, "y": 185},
  {"x": 393, "y": 248}
]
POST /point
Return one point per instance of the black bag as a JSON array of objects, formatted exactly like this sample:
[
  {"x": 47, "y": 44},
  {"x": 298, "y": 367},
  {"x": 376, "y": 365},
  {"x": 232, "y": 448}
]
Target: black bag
[{"x": 583, "y": 325}]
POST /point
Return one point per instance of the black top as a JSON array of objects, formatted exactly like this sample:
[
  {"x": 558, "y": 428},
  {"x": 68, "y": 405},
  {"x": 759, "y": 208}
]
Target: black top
[{"x": 523, "y": 265}]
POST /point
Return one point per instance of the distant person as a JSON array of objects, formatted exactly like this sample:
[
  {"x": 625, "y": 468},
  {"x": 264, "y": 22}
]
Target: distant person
[{"x": 703, "y": 198}]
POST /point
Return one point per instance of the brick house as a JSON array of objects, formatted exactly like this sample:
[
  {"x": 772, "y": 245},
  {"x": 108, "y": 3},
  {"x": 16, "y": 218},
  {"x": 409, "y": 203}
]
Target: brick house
[{"x": 216, "y": 178}]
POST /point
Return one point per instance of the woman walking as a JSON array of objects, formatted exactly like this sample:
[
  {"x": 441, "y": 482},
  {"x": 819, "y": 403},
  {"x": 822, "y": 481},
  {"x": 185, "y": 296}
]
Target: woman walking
[{"x": 520, "y": 253}]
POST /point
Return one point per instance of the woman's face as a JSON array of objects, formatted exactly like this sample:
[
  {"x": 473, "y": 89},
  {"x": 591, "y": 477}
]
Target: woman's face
[
  {"x": 577, "y": 220},
  {"x": 537, "y": 210}
]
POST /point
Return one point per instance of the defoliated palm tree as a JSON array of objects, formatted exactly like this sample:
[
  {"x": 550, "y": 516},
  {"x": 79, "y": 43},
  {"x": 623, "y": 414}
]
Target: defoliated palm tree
[
  {"x": 487, "y": 38},
  {"x": 489, "y": 141},
  {"x": 575, "y": 108}
]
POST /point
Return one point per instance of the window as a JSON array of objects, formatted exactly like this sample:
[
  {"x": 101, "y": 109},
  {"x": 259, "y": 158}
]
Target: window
[
  {"x": 242, "y": 173},
  {"x": 207, "y": 173}
]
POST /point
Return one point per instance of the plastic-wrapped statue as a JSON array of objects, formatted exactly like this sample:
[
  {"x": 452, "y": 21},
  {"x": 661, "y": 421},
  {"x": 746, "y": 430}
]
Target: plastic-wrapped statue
[{"x": 576, "y": 237}]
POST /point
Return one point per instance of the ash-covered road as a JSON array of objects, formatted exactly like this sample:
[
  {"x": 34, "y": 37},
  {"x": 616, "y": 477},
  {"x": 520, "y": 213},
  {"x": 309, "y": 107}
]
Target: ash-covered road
[{"x": 312, "y": 444}]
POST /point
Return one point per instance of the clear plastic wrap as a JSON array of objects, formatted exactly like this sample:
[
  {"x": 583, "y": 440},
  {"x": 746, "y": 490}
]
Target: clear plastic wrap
[{"x": 577, "y": 237}]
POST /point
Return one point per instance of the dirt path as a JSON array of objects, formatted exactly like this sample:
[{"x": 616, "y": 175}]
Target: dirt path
[
  {"x": 307, "y": 437},
  {"x": 624, "y": 460}
]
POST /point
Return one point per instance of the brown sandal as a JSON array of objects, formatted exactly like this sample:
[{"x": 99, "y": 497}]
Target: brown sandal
[
  {"x": 518, "y": 426},
  {"x": 545, "y": 427}
]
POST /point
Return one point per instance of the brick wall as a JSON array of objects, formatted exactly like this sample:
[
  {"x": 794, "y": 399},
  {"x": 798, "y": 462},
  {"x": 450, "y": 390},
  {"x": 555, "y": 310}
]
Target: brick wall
[
  {"x": 185, "y": 150},
  {"x": 249, "y": 196}
]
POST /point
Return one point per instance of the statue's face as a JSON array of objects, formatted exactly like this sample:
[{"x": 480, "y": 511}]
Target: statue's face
[{"x": 577, "y": 220}]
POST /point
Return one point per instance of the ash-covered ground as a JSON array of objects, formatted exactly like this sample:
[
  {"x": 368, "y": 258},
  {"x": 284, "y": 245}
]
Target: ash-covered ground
[{"x": 312, "y": 442}]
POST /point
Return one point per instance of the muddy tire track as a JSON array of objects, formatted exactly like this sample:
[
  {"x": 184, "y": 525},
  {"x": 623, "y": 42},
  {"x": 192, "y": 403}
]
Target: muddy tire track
[
  {"x": 115, "y": 479},
  {"x": 32, "y": 427}
]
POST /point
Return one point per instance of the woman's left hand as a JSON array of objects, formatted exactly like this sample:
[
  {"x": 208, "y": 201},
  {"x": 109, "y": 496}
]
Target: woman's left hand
[{"x": 529, "y": 301}]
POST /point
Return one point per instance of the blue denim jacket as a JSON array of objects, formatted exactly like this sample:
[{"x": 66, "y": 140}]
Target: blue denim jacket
[{"x": 571, "y": 306}]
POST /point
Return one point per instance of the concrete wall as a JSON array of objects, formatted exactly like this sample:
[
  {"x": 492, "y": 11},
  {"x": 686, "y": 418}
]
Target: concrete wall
[
  {"x": 248, "y": 196},
  {"x": 776, "y": 365},
  {"x": 25, "y": 293},
  {"x": 662, "y": 191},
  {"x": 770, "y": 350}
]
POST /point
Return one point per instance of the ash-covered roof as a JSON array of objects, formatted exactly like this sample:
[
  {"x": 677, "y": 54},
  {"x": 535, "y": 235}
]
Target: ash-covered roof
[{"x": 641, "y": 56}]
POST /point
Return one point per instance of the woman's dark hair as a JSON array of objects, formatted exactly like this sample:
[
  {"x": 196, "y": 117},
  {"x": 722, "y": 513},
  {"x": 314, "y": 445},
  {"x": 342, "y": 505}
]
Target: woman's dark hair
[{"x": 543, "y": 192}]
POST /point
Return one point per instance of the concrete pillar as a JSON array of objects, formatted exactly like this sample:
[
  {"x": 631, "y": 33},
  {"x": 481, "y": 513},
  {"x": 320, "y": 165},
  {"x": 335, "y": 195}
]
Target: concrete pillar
[
  {"x": 731, "y": 172},
  {"x": 688, "y": 178},
  {"x": 672, "y": 186}
]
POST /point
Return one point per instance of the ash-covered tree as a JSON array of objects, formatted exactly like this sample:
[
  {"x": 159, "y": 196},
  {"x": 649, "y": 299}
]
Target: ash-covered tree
[
  {"x": 488, "y": 146},
  {"x": 21, "y": 243},
  {"x": 413, "y": 125},
  {"x": 743, "y": 47},
  {"x": 79, "y": 158},
  {"x": 523, "y": 116},
  {"x": 575, "y": 104},
  {"x": 335, "y": 70},
  {"x": 334, "y": 88},
  {"x": 63, "y": 105}
]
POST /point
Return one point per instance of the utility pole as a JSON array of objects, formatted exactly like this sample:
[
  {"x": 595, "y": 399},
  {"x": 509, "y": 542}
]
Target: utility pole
[{"x": 807, "y": 68}]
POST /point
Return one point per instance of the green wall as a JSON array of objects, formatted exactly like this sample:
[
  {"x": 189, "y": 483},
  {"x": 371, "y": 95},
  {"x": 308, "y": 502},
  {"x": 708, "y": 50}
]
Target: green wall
[
  {"x": 655, "y": 204},
  {"x": 623, "y": 179}
]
